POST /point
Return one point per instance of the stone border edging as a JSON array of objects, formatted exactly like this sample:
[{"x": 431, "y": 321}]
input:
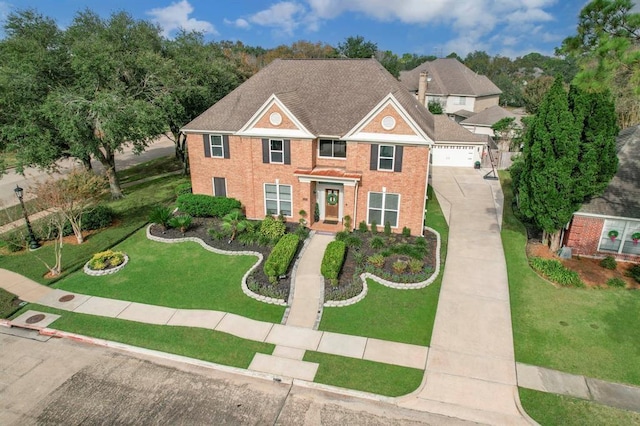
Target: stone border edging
[
  {"x": 100, "y": 273},
  {"x": 245, "y": 289},
  {"x": 390, "y": 284}
]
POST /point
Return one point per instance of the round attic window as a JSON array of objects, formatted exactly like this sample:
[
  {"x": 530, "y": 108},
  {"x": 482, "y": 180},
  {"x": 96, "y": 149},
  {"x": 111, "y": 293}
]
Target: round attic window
[
  {"x": 388, "y": 122},
  {"x": 275, "y": 118}
]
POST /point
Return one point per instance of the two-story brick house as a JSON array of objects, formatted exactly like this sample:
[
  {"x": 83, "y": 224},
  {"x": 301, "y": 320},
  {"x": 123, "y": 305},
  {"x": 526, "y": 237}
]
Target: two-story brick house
[{"x": 342, "y": 133}]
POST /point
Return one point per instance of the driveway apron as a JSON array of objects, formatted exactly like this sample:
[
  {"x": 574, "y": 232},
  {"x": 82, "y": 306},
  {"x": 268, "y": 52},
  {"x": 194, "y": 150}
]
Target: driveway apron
[{"x": 471, "y": 370}]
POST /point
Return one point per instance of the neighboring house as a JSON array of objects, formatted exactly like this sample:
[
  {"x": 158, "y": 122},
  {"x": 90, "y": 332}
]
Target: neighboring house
[
  {"x": 481, "y": 122},
  {"x": 452, "y": 84},
  {"x": 456, "y": 146},
  {"x": 618, "y": 209},
  {"x": 340, "y": 134}
]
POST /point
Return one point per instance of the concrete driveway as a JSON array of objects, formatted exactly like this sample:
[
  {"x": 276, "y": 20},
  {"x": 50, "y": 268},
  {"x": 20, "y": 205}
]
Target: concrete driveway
[
  {"x": 471, "y": 370},
  {"x": 68, "y": 383}
]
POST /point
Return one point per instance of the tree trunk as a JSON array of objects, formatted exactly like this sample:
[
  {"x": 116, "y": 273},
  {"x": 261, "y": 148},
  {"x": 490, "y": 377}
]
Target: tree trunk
[
  {"x": 109, "y": 163},
  {"x": 554, "y": 243},
  {"x": 185, "y": 150}
]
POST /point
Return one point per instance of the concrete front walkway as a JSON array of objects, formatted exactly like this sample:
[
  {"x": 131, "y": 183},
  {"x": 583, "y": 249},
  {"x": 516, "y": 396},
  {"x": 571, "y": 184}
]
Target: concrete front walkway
[{"x": 471, "y": 371}]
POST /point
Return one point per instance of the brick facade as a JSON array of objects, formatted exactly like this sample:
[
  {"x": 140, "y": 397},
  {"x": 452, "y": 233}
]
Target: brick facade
[{"x": 583, "y": 237}]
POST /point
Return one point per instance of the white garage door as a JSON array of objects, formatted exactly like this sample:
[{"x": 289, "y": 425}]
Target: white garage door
[{"x": 453, "y": 155}]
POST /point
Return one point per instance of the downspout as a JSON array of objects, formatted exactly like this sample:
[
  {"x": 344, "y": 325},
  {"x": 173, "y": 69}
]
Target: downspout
[{"x": 355, "y": 208}]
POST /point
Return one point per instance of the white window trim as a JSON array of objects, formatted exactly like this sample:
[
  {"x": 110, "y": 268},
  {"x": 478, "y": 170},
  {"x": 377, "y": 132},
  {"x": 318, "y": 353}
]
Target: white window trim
[
  {"x": 333, "y": 141},
  {"x": 211, "y": 136},
  {"x": 272, "y": 151},
  {"x": 382, "y": 209},
  {"x": 277, "y": 199},
  {"x": 624, "y": 235},
  {"x": 213, "y": 185},
  {"x": 393, "y": 158}
]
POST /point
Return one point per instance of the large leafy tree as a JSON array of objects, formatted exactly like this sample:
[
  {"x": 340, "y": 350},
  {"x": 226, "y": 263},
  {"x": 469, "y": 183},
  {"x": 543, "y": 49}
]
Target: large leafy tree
[
  {"x": 117, "y": 93},
  {"x": 569, "y": 156},
  {"x": 357, "y": 47},
  {"x": 607, "y": 49},
  {"x": 34, "y": 60},
  {"x": 201, "y": 76}
]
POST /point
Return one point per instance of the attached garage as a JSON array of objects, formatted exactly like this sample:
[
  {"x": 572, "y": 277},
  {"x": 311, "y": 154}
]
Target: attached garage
[{"x": 455, "y": 155}]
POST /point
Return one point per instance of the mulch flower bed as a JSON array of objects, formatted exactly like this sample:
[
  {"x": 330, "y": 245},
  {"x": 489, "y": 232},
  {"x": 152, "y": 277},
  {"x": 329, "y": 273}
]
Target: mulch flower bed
[
  {"x": 258, "y": 281},
  {"x": 349, "y": 282}
]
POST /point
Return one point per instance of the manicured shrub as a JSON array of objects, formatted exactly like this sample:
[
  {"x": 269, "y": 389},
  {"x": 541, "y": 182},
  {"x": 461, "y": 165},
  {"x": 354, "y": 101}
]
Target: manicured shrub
[
  {"x": 303, "y": 218},
  {"x": 358, "y": 258},
  {"x": 609, "y": 262},
  {"x": 399, "y": 266},
  {"x": 182, "y": 222},
  {"x": 362, "y": 227},
  {"x": 342, "y": 236},
  {"x": 406, "y": 232},
  {"x": 347, "y": 223},
  {"x": 387, "y": 228},
  {"x": 99, "y": 217},
  {"x": 106, "y": 259},
  {"x": 556, "y": 272},
  {"x": 332, "y": 261},
  {"x": 201, "y": 205},
  {"x": 415, "y": 265},
  {"x": 302, "y": 232},
  {"x": 353, "y": 241},
  {"x": 376, "y": 260},
  {"x": 272, "y": 228},
  {"x": 374, "y": 227},
  {"x": 634, "y": 272},
  {"x": 161, "y": 215},
  {"x": 280, "y": 257},
  {"x": 184, "y": 188},
  {"x": 376, "y": 243},
  {"x": 616, "y": 282}
]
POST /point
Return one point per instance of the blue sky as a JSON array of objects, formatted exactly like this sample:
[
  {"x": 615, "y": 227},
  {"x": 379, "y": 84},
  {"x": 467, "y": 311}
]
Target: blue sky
[{"x": 506, "y": 27}]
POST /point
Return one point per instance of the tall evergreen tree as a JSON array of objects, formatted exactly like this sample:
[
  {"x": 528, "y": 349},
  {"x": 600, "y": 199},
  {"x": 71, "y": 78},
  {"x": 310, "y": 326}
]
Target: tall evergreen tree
[
  {"x": 547, "y": 187},
  {"x": 597, "y": 160}
]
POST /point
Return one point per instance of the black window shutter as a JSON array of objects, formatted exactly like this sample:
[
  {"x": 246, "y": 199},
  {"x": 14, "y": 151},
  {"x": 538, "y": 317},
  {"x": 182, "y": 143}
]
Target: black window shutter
[
  {"x": 373, "y": 165},
  {"x": 397, "y": 166},
  {"x": 287, "y": 151},
  {"x": 225, "y": 145},
  {"x": 207, "y": 145},
  {"x": 265, "y": 150},
  {"x": 219, "y": 187}
]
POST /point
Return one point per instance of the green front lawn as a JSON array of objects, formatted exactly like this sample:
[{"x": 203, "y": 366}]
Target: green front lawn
[
  {"x": 363, "y": 375},
  {"x": 591, "y": 332},
  {"x": 132, "y": 211},
  {"x": 405, "y": 316},
  {"x": 154, "y": 167},
  {"x": 180, "y": 275},
  {"x": 198, "y": 343},
  {"x": 550, "y": 409}
]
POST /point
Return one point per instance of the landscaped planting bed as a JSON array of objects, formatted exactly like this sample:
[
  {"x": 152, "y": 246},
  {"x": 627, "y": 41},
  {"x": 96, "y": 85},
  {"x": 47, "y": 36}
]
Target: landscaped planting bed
[{"x": 399, "y": 258}]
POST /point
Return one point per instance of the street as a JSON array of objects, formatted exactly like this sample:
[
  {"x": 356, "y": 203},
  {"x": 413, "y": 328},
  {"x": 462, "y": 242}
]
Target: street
[
  {"x": 65, "y": 382},
  {"x": 162, "y": 147}
]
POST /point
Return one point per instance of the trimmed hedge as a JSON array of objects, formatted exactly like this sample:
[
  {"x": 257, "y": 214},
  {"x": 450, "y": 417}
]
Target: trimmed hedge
[
  {"x": 280, "y": 257},
  {"x": 332, "y": 260},
  {"x": 201, "y": 205}
]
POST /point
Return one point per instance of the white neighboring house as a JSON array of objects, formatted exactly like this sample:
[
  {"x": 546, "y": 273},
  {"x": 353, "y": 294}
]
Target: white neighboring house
[
  {"x": 452, "y": 84},
  {"x": 481, "y": 122},
  {"x": 462, "y": 93}
]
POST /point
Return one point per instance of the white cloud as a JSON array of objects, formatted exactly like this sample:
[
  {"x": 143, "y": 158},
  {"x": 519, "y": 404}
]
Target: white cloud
[
  {"x": 238, "y": 23},
  {"x": 176, "y": 16},
  {"x": 284, "y": 17},
  {"x": 5, "y": 8}
]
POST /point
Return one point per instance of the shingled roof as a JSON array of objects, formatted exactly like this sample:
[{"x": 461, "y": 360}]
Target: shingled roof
[
  {"x": 448, "y": 130},
  {"x": 328, "y": 96},
  {"x": 488, "y": 117},
  {"x": 622, "y": 196},
  {"x": 449, "y": 77}
]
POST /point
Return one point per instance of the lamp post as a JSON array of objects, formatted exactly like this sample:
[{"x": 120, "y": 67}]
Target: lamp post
[{"x": 33, "y": 243}]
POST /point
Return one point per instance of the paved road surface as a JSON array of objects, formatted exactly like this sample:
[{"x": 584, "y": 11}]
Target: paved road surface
[
  {"x": 64, "y": 382},
  {"x": 161, "y": 148}
]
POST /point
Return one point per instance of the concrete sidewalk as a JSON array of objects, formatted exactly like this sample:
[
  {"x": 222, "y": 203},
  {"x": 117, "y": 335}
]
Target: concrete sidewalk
[
  {"x": 290, "y": 341},
  {"x": 471, "y": 370}
]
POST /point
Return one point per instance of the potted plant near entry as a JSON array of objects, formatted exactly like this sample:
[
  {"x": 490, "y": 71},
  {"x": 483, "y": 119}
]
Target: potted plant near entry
[
  {"x": 613, "y": 234},
  {"x": 635, "y": 237}
]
